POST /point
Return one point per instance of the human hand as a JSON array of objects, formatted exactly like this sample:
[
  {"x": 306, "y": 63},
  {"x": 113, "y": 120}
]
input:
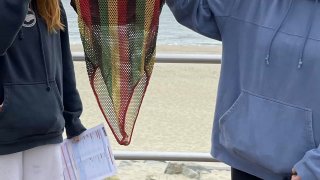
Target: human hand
[
  {"x": 294, "y": 175},
  {"x": 76, "y": 139}
]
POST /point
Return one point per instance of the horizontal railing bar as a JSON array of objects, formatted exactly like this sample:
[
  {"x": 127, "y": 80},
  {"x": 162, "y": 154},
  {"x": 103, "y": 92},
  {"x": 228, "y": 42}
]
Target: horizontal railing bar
[
  {"x": 174, "y": 58},
  {"x": 168, "y": 156},
  {"x": 164, "y": 156}
]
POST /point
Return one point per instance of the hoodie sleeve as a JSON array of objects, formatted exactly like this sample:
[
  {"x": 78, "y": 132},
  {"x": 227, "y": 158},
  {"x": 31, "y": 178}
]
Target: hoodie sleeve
[
  {"x": 71, "y": 98},
  {"x": 308, "y": 168},
  {"x": 201, "y": 15},
  {"x": 12, "y": 15}
]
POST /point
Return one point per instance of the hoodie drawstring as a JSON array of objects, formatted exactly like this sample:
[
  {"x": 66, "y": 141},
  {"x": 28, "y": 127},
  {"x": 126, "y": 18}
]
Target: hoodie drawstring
[
  {"x": 21, "y": 35},
  {"x": 310, "y": 23},
  {"x": 43, "y": 55},
  {"x": 267, "y": 59},
  {"x": 44, "y": 60}
]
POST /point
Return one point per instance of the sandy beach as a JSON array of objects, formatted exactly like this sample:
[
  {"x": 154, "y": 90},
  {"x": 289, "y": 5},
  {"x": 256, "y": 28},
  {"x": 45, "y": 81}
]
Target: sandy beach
[
  {"x": 173, "y": 49},
  {"x": 176, "y": 115}
]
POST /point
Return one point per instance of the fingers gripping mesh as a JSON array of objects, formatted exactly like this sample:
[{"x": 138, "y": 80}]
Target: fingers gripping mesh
[{"x": 119, "y": 39}]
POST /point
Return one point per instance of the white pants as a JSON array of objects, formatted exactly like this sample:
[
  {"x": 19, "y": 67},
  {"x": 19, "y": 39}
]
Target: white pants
[{"x": 40, "y": 163}]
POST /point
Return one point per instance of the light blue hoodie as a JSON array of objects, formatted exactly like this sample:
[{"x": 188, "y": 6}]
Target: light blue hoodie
[{"x": 267, "y": 118}]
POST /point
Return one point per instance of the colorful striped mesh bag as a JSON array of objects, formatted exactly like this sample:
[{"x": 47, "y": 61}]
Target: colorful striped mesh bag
[{"x": 119, "y": 40}]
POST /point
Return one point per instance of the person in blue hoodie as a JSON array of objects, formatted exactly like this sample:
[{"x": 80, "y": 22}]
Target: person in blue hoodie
[
  {"x": 38, "y": 95},
  {"x": 267, "y": 118}
]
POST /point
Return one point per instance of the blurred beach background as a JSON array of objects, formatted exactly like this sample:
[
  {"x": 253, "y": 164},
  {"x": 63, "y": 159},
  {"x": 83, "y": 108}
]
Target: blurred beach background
[{"x": 177, "y": 112}]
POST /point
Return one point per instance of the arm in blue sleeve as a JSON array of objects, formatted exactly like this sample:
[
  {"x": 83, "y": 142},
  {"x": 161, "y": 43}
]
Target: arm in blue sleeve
[
  {"x": 196, "y": 15},
  {"x": 71, "y": 98},
  {"x": 12, "y": 15},
  {"x": 308, "y": 168}
]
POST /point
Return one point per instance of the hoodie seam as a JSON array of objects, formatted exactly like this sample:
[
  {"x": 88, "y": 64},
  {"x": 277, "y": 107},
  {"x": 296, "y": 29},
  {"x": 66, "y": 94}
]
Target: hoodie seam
[
  {"x": 276, "y": 101},
  {"x": 26, "y": 84},
  {"x": 270, "y": 28},
  {"x": 227, "y": 17}
]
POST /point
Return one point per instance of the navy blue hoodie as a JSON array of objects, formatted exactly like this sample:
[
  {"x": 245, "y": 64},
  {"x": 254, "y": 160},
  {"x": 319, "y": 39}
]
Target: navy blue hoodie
[{"x": 37, "y": 80}]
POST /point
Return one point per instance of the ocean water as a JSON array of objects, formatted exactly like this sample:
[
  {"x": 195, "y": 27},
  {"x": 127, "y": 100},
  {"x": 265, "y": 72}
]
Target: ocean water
[{"x": 170, "y": 31}]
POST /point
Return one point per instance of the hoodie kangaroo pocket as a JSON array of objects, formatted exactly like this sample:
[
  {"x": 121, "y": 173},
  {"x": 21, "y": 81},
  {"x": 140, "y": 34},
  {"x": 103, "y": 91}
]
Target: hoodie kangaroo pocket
[
  {"x": 30, "y": 109},
  {"x": 266, "y": 132}
]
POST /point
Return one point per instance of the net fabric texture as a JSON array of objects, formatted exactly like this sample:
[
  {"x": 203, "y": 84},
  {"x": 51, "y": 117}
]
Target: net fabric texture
[{"x": 119, "y": 40}]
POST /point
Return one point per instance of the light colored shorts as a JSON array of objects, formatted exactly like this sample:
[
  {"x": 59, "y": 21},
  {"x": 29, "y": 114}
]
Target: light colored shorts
[{"x": 40, "y": 163}]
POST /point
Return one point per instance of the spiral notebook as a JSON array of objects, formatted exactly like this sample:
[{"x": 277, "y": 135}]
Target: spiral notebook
[{"x": 89, "y": 159}]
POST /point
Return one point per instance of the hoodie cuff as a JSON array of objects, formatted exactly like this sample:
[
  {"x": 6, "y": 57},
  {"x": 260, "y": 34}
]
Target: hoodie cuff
[
  {"x": 75, "y": 128},
  {"x": 304, "y": 171}
]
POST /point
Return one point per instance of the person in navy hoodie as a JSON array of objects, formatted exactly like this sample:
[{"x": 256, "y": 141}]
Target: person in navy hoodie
[
  {"x": 267, "y": 118},
  {"x": 38, "y": 95}
]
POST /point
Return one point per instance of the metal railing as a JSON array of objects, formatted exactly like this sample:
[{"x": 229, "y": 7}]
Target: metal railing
[
  {"x": 168, "y": 156},
  {"x": 164, "y": 156},
  {"x": 174, "y": 58}
]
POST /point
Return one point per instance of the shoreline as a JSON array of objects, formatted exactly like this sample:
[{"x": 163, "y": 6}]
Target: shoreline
[{"x": 173, "y": 49}]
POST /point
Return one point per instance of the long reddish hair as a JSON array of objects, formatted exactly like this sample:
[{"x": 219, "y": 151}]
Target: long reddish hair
[{"x": 50, "y": 11}]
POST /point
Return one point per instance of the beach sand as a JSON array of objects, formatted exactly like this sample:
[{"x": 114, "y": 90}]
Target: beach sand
[
  {"x": 173, "y": 49},
  {"x": 176, "y": 114},
  {"x": 154, "y": 170}
]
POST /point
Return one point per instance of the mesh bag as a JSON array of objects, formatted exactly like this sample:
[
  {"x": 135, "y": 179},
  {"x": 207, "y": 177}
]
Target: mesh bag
[{"x": 119, "y": 39}]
